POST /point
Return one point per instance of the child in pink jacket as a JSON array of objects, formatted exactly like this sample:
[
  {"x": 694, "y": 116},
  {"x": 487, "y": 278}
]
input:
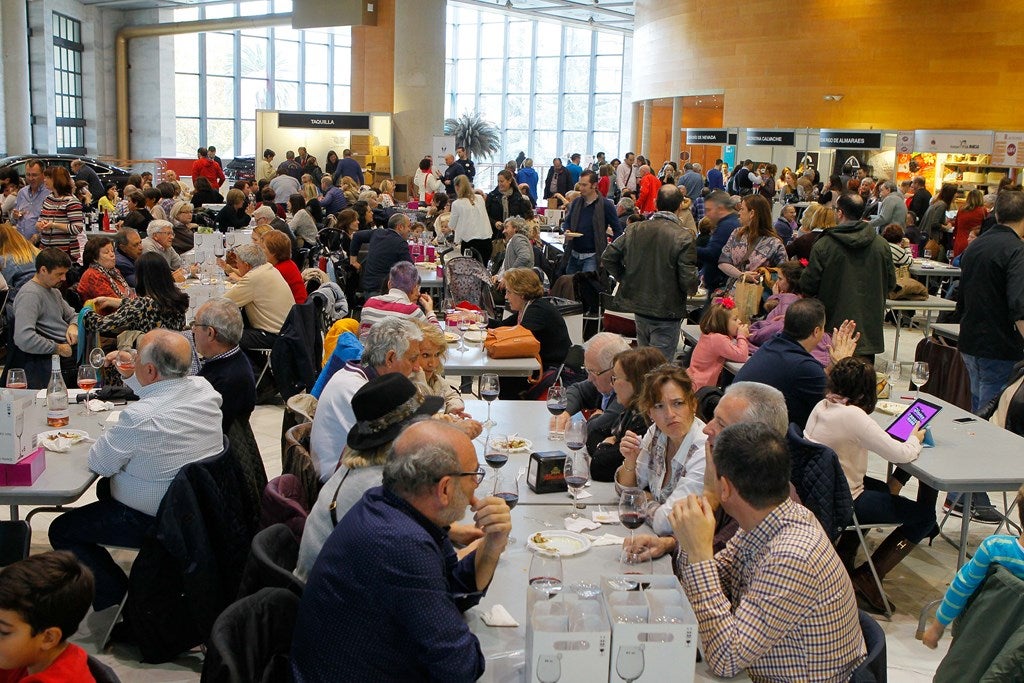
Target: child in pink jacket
[{"x": 723, "y": 338}]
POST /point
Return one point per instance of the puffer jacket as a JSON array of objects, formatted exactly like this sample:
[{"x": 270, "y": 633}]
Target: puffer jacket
[
  {"x": 656, "y": 263},
  {"x": 818, "y": 478},
  {"x": 851, "y": 272}
]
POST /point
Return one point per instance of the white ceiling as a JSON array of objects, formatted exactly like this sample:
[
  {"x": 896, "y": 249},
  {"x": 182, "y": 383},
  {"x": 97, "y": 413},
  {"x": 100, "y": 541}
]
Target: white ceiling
[{"x": 615, "y": 15}]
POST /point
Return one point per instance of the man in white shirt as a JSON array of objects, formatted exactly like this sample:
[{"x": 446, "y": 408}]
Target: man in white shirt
[
  {"x": 626, "y": 173},
  {"x": 177, "y": 421},
  {"x": 392, "y": 345},
  {"x": 263, "y": 295}
]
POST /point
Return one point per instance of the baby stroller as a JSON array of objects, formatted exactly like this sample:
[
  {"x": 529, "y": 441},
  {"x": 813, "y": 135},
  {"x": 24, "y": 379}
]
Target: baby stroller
[{"x": 466, "y": 279}]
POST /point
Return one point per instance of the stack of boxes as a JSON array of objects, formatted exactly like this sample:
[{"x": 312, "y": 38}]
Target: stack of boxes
[{"x": 21, "y": 461}]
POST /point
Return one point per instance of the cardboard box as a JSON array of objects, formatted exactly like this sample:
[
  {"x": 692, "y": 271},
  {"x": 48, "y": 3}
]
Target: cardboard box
[
  {"x": 15, "y": 444},
  {"x": 656, "y": 627},
  {"x": 567, "y": 640},
  {"x": 546, "y": 472},
  {"x": 380, "y": 150},
  {"x": 361, "y": 140},
  {"x": 381, "y": 163},
  {"x": 25, "y": 472},
  {"x": 403, "y": 186},
  {"x": 552, "y": 203}
]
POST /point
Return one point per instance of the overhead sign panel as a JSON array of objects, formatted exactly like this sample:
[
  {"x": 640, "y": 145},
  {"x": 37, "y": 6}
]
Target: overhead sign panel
[
  {"x": 770, "y": 138},
  {"x": 707, "y": 136},
  {"x": 850, "y": 139}
]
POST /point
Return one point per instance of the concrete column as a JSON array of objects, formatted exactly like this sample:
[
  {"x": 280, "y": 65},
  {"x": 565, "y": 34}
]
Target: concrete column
[
  {"x": 16, "y": 92},
  {"x": 645, "y": 136},
  {"x": 634, "y": 142},
  {"x": 676, "y": 144},
  {"x": 418, "y": 81}
]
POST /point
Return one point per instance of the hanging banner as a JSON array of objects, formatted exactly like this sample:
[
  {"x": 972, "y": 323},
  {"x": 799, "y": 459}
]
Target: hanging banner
[
  {"x": 357, "y": 122},
  {"x": 905, "y": 142},
  {"x": 769, "y": 138},
  {"x": 1007, "y": 149},
  {"x": 706, "y": 136},
  {"x": 954, "y": 141},
  {"x": 850, "y": 139}
]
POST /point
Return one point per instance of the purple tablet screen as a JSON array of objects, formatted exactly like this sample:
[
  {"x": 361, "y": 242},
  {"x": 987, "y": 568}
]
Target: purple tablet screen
[{"x": 920, "y": 412}]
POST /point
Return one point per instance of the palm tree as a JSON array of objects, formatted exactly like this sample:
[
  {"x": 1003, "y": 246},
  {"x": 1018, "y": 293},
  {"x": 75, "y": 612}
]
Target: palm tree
[{"x": 480, "y": 137}]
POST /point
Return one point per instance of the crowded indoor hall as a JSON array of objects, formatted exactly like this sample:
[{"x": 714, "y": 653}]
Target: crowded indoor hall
[{"x": 529, "y": 340}]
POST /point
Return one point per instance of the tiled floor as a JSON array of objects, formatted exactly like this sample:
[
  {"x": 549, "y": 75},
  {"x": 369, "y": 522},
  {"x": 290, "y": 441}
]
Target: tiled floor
[{"x": 920, "y": 578}]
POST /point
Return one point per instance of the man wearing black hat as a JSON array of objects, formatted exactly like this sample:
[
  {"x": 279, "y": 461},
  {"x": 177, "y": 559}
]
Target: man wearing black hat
[{"x": 388, "y": 592}]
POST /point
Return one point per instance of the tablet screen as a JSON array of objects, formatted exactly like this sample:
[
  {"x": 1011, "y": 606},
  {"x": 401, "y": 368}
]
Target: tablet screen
[{"x": 920, "y": 412}]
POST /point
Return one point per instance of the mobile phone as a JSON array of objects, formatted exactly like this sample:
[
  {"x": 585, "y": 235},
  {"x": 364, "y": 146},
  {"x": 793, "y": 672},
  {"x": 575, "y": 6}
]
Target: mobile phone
[{"x": 964, "y": 420}]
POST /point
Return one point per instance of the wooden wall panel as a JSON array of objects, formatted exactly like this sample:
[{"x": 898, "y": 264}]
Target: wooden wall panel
[
  {"x": 907, "y": 65},
  {"x": 373, "y": 62}
]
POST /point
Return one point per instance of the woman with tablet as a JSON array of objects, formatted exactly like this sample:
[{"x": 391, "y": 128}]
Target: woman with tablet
[{"x": 842, "y": 421}]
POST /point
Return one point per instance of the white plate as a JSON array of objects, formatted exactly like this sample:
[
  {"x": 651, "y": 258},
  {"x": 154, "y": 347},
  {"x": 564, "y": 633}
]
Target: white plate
[
  {"x": 475, "y": 336},
  {"x": 501, "y": 445},
  {"x": 565, "y": 543},
  {"x": 451, "y": 337},
  {"x": 890, "y": 407},
  {"x": 55, "y": 434}
]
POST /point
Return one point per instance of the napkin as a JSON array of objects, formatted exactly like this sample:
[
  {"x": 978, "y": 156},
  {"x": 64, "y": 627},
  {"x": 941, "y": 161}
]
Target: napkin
[
  {"x": 928, "y": 442},
  {"x": 581, "y": 495},
  {"x": 98, "y": 406},
  {"x": 72, "y": 393},
  {"x": 60, "y": 444},
  {"x": 498, "y": 616},
  {"x": 114, "y": 416},
  {"x": 605, "y": 539},
  {"x": 580, "y": 525},
  {"x": 605, "y": 517}
]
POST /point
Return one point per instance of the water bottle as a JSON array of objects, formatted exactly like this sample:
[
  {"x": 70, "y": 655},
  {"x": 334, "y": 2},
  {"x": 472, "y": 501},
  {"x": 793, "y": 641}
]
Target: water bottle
[{"x": 57, "y": 414}]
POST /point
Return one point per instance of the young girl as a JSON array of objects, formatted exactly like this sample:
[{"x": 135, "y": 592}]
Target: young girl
[
  {"x": 996, "y": 549},
  {"x": 785, "y": 291},
  {"x": 723, "y": 338}
]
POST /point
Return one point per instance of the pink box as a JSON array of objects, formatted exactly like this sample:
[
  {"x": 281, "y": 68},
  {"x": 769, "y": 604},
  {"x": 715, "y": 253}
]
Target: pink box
[
  {"x": 440, "y": 270},
  {"x": 431, "y": 252},
  {"x": 541, "y": 210},
  {"x": 413, "y": 205},
  {"x": 25, "y": 471},
  {"x": 913, "y": 250}
]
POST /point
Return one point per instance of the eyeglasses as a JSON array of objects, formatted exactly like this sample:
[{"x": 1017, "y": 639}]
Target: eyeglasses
[
  {"x": 478, "y": 475},
  {"x": 195, "y": 324},
  {"x": 598, "y": 373}
]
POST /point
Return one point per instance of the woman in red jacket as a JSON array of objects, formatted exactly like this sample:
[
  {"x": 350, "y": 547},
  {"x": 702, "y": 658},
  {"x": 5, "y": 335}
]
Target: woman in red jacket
[
  {"x": 279, "y": 253},
  {"x": 968, "y": 219}
]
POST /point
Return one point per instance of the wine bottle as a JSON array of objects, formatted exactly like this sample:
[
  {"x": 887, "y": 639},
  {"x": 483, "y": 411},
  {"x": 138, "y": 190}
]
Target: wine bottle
[{"x": 57, "y": 414}]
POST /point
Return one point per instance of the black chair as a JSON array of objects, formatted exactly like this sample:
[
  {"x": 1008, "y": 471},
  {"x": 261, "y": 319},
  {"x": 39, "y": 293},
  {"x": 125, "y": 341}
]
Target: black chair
[
  {"x": 15, "y": 537},
  {"x": 101, "y": 672},
  {"x": 252, "y": 638},
  {"x": 274, "y": 554},
  {"x": 873, "y": 668}
]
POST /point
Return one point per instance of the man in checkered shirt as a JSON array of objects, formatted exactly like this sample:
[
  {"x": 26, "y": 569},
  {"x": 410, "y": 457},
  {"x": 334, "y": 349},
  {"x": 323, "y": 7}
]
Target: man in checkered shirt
[{"x": 776, "y": 600}]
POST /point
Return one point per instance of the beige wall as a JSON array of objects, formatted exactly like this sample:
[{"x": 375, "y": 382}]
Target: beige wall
[{"x": 935, "y": 65}]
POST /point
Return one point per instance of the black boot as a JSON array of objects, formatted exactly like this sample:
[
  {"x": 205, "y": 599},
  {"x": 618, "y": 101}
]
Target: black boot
[
  {"x": 889, "y": 554},
  {"x": 846, "y": 548}
]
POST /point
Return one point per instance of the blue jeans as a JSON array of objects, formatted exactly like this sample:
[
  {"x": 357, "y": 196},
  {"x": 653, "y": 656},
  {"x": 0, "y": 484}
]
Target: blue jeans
[
  {"x": 85, "y": 530},
  {"x": 661, "y": 334},
  {"x": 988, "y": 377},
  {"x": 581, "y": 263},
  {"x": 875, "y": 505}
]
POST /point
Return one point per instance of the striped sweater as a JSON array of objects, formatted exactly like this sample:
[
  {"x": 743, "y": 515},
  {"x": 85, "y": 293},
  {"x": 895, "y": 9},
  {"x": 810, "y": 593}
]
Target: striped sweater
[
  {"x": 1004, "y": 550},
  {"x": 67, "y": 221}
]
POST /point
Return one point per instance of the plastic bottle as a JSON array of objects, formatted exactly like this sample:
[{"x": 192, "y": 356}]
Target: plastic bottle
[{"x": 57, "y": 414}]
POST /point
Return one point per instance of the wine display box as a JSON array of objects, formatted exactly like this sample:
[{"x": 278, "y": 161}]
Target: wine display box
[
  {"x": 15, "y": 444},
  {"x": 567, "y": 640}
]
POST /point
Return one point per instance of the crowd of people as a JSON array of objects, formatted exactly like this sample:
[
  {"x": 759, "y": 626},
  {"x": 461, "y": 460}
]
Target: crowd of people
[{"x": 775, "y": 594}]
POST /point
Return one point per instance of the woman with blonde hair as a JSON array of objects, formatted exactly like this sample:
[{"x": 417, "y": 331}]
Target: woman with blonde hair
[
  {"x": 387, "y": 194},
  {"x": 469, "y": 221},
  {"x": 184, "y": 229},
  {"x": 822, "y": 219},
  {"x": 17, "y": 257},
  {"x": 430, "y": 378},
  {"x": 350, "y": 189},
  {"x": 309, "y": 188}
]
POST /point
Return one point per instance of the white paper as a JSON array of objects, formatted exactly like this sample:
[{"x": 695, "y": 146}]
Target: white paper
[
  {"x": 114, "y": 416},
  {"x": 498, "y": 616},
  {"x": 605, "y": 516},
  {"x": 605, "y": 539},
  {"x": 580, "y": 525}
]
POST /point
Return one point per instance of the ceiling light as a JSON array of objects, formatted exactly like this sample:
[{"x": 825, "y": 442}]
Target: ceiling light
[{"x": 832, "y": 98}]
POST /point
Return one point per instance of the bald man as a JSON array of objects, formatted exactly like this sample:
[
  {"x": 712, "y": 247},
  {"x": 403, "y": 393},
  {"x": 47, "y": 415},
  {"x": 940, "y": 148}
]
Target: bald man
[
  {"x": 177, "y": 421},
  {"x": 648, "y": 190}
]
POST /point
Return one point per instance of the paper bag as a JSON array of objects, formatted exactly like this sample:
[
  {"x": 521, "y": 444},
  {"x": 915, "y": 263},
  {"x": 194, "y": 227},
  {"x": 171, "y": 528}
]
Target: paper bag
[{"x": 747, "y": 296}]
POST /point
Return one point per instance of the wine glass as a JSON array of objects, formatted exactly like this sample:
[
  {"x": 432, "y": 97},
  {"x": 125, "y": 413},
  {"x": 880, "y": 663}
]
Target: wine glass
[
  {"x": 631, "y": 510},
  {"x": 894, "y": 370},
  {"x": 506, "y": 487},
  {"x": 16, "y": 379},
  {"x": 489, "y": 390},
  {"x": 462, "y": 322},
  {"x": 96, "y": 357},
  {"x": 545, "y": 575},
  {"x": 86, "y": 381},
  {"x": 577, "y": 469},
  {"x": 629, "y": 662},
  {"x": 919, "y": 376},
  {"x": 494, "y": 457},
  {"x": 556, "y": 406},
  {"x": 927, "y": 254},
  {"x": 218, "y": 246},
  {"x": 125, "y": 360},
  {"x": 633, "y": 562}
]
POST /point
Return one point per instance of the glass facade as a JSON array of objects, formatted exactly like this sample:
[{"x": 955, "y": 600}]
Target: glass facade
[
  {"x": 69, "y": 100},
  {"x": 551, "y": 89},
  {"x": 222, "y": 78}
]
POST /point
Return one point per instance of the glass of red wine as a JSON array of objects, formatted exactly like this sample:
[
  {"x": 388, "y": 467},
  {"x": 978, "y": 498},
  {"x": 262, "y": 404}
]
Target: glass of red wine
[
  {"x": 494, "y": 457},
  {"x": 556, "y": 406},
  {"x": 86, "y": 381},
  {"x": 577, "y": 469},
  {"x": 489, "y": 392},
  {"x": 16, "y": 379},
  {"x": 506, "y": 487}
]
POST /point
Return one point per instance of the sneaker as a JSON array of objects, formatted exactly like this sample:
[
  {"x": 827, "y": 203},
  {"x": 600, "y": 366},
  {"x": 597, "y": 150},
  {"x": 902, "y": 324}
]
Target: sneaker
[
  {"x": 954, "y": 509},
  {"x": 986, "y": 514}
]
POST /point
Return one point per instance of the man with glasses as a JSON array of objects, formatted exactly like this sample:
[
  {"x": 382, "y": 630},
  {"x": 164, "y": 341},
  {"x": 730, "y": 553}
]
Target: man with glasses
[
  {"x": 160, "y": 235},
  {"x": 216, "y": 332},
  {"x": 595, "y": 393},
  {"x": 30, "y": 200},
  {"x": 387, "y": 591}
]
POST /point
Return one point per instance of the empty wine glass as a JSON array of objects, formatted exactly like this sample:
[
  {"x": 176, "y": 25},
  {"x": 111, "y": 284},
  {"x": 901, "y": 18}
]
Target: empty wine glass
[
  {"x": 927, "y": 253},
  {"x": 633, "y": 563},
  {"x": 629, "y": 662},
  {"x": 545, "y": 574},
  {"x": 86, "y": 381},
  {"x": 462, "y": 322},
  {"x": 489, "y": 390},
  {"x": 556, "y": 406},
  {"x": 17, "y": 379},
  {"x": 506, "y": 487},
  {"x": 894, "y": 370},
  {"x": 919, "y": 376},
  {"x": 577, "y": 469}
]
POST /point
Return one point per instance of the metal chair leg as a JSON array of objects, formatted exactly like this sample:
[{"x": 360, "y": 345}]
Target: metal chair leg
[{"x": 871, "y": 566}]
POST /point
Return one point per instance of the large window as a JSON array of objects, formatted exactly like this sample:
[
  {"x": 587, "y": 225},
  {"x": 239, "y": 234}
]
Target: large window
[
  {"x": 67, "y": 80},
  {"x": 551, "y": 89},
  {"x": 221, "y": 79}
]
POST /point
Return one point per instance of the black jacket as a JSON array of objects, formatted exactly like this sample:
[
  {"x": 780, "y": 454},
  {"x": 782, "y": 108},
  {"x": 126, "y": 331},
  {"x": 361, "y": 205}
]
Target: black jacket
[
  {"x": 605, "y": 457},
  {"x": 548, "y": 326},
  {"x": 562, "y": 184},
  {"x": 233, "y": 379},
  {"x": 230, "y": 218},
  {"x": 818, "y": 478},
  {"x": 518, "y": 205},
  {"x": 299, "y": 348},
  {"x": 387, "y": 248}
]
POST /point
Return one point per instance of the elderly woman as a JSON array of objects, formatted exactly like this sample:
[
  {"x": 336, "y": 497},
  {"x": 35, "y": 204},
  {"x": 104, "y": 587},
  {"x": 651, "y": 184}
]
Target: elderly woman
[
  {"x": 785, "y": 224},
  {"x": 430, "y": 378},
  {"x": 667, "y": 462},
  {"x": 383, "y": 407},
  {"x": 61, "y": 218},
  {"x": 278, "y": 249},
  {"x": 628, "y": 371},
  {"x": 525, "y": 294},
  {"x": 184, "y": 228},
  {"x": 302, "y": 222},
  {"x": 159, "y": 303},
  {"x": 518, "y": 249},
  {"x": 754, "y": 244},
  {"x": 469, "y": 220},
  {"x": 101, "y": 276}
]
